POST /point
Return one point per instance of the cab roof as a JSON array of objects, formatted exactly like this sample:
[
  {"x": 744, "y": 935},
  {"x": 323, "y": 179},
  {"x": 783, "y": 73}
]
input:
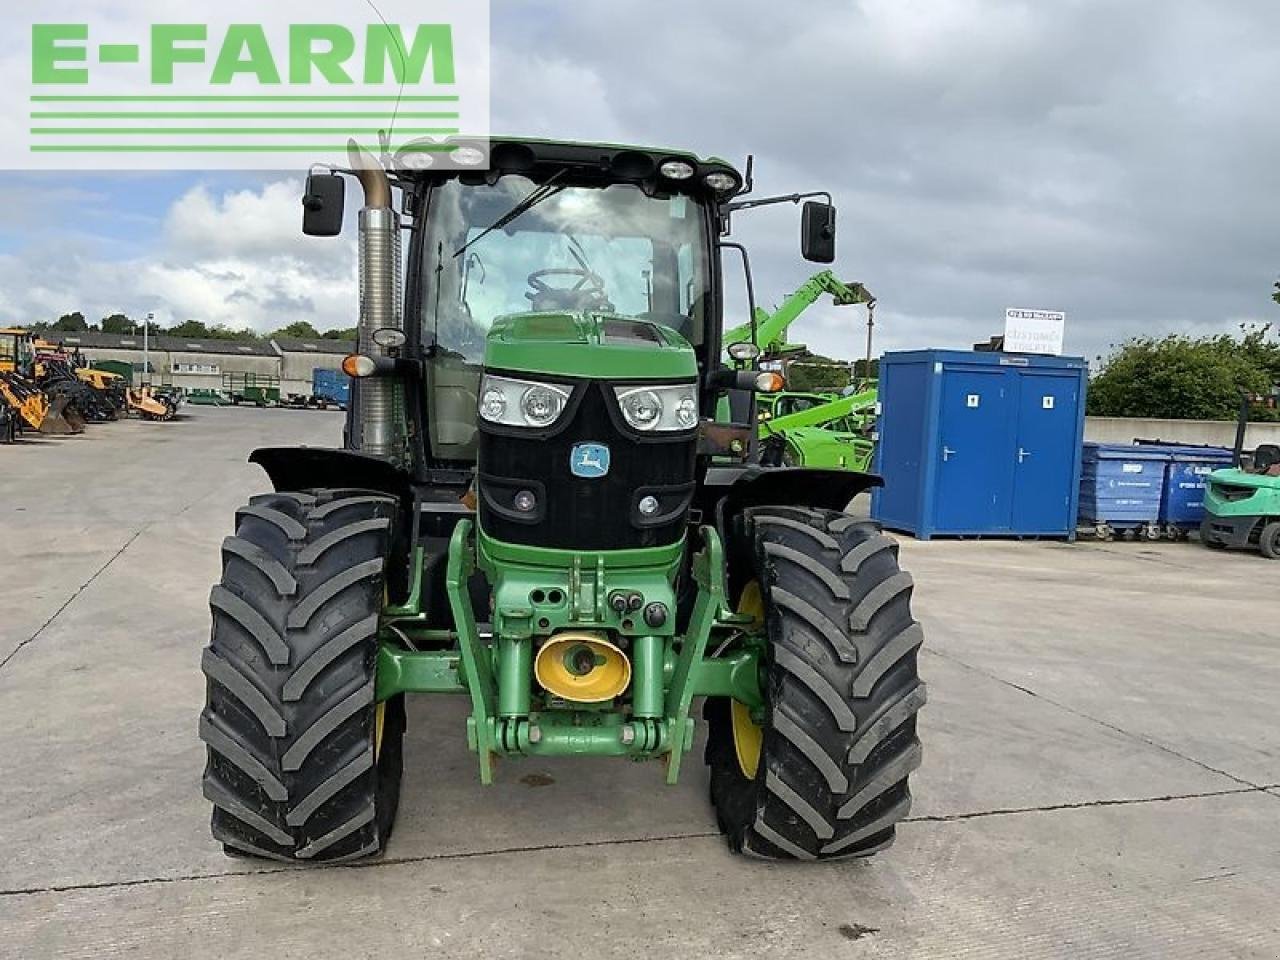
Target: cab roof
[{"x": 603, "y": 162}]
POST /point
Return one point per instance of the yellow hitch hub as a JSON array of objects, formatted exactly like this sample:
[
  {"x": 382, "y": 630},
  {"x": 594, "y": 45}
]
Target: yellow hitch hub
[{"x": 582, "y": 667}]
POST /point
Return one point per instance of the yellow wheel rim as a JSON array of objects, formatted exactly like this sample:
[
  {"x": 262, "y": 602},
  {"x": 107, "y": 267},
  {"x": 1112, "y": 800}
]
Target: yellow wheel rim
[
  {"x": 379, "y": 717},
  {"x": 747, "y": 740},
  {"x": 748, "y": 736}
]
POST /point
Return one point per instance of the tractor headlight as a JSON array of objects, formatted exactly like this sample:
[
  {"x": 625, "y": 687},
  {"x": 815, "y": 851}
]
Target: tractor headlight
[
  {"x": 660, "y": 408},
  {"x": 521, "y": 403}
]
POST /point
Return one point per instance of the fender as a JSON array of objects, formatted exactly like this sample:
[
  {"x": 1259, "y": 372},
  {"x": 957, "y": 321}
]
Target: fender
[
  {"x": 302, "y": 468},
  {"x": 733, "y": 490}
]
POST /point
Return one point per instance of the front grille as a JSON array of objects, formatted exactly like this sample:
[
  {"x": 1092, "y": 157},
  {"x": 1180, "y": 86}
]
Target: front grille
[
  {"x": 1233, "y": 492},
  {"x": 577, "y": 513}
]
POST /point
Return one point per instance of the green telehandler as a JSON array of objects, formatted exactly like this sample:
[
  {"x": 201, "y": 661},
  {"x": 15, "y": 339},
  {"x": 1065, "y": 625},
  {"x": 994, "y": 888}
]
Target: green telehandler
[
  {"x": 812, "y": 429},
  {"x": 817, "y": 430},
  {"x": 536, "y": 509}
]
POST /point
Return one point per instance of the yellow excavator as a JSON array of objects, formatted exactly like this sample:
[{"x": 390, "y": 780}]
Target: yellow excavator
[{"x": 26, "y": 406}]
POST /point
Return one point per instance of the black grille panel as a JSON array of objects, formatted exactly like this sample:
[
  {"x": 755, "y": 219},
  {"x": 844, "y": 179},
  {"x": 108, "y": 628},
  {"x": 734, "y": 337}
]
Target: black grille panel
[{"x": 576, "y": 512}]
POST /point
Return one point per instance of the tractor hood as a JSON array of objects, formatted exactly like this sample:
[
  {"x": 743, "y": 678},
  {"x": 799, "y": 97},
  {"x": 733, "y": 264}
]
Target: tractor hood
[
  {"x": 1242, "y": 478},
  {"x": 598, "y": 346}
]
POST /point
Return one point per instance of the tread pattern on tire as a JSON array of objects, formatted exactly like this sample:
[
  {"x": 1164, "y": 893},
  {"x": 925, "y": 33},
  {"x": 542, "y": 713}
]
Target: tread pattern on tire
[
  {"x": 842, "y": 689},
  {"x": 290, "y": 709}
]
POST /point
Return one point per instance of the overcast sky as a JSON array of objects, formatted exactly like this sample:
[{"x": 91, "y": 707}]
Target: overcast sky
[{"x": 1116, "y": 159}]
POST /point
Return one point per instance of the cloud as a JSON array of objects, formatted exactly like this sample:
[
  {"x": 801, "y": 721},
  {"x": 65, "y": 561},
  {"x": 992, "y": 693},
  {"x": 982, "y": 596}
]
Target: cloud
[
  {"x": 234, "y": 257},
  {"x": 1113, "y": 160}
]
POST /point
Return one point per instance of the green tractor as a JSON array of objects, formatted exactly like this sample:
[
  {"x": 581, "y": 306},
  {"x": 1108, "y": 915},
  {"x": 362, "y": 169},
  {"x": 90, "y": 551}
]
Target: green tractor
[
  {"x": 536, "y": 509},
  {"x": 1242, "y": 506}
]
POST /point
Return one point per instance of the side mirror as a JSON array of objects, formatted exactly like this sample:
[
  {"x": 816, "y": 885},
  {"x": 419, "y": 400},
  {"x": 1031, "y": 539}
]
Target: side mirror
[
  {"x": 818, "y": 232},
  {"x": 323, "y": 204}
]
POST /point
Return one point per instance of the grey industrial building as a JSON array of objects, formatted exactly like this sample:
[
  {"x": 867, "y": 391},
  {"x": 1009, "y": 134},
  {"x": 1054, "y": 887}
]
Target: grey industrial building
[
  {"x": 299, "y": 358},
  {"x": 201, "y": 364}
]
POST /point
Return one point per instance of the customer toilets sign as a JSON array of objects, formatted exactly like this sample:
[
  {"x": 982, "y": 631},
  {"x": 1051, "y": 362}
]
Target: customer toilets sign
[
  {"x": 144, "y": 84},
  {"x": 1034, "y": 331}
]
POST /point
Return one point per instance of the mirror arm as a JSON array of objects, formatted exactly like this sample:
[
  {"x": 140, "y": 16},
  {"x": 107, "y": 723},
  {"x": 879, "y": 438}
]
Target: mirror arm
[
  {"x": 751, "y": 290},
  {"x": 769, "y": 201}
]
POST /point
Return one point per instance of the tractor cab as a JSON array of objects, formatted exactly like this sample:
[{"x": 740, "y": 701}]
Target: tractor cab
[{"x": 16, "y": 354}]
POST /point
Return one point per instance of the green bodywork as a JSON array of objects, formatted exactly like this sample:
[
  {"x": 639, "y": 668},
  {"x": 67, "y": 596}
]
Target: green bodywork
[
  {"x": 1227, "y": 499},
  {"x": 507, "y": 715},
  {"x": 537, "y": 592},
  {"x": 577, "y": 345},
  {"x": 827, "y": 432},
  {"x": 771, "y": 328}
]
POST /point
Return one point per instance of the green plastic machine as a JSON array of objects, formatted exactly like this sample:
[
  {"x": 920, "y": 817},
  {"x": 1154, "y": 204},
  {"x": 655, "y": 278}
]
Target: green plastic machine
[
  {"x": 1242, "y": 505},
  {"x": 537, "y": 511}
]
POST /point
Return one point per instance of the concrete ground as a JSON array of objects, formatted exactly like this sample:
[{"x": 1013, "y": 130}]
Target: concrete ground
[{"x": 1100, "y": 777}]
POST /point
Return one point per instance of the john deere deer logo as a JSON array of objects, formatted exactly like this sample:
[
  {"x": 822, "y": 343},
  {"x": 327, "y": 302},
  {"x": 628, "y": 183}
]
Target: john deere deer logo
[{"x": 589, "y": 460}]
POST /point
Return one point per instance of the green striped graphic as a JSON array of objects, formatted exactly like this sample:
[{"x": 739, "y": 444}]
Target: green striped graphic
[
  {"x": 211, "y": 98},
  {"x": 219, "y": 148},
  {"x": 231, "y": 131}
]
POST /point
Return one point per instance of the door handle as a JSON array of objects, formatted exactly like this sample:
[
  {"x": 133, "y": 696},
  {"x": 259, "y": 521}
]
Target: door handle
[
  {"x": 1023, "y": 454},
  {"x": 947, "y": 453}
]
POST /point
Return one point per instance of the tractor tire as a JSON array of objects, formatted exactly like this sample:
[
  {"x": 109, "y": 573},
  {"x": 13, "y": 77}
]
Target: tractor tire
[
  {"x": 841, "y": 691},
  {"x": 302, "y": 764},
  {"x": 1269, "y": 540}
]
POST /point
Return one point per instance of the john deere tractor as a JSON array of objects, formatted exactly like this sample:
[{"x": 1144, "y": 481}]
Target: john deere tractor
[{"x": 537, "y": 509}]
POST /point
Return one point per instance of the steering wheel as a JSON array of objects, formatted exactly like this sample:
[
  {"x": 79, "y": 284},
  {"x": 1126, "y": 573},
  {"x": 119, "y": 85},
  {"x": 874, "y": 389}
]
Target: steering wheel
[{"x": 587, "y": 293}]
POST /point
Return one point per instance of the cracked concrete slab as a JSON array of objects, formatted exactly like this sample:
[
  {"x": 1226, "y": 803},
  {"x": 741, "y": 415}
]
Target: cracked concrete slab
[
  {"x": 1148, "y": 883},
  {"x": 1157, "y": 639},
  {"x": 99, "y": 764}
]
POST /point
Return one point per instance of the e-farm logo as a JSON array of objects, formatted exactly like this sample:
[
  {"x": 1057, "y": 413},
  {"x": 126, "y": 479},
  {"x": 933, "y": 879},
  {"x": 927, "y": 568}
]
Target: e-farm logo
[{"x": 405, "y": 79}]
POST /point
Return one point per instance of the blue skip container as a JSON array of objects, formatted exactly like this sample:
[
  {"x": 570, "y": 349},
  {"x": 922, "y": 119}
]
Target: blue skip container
[
  {"x": 1182, "y": 501},
  {"x": 1121, "y": 489},
  {"x": 333, "y": 385}
]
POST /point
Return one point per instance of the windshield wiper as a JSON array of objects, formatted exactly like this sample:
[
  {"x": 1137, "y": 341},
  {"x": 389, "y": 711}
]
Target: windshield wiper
[{"x": 535, "y": 197}]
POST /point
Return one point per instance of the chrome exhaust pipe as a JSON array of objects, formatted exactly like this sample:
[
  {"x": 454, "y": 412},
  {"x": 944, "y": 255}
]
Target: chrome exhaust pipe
[{"x": 380, "y": 418}]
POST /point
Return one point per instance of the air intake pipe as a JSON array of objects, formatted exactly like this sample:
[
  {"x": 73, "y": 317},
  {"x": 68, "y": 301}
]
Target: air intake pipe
[{"x": 379, "y": 415}]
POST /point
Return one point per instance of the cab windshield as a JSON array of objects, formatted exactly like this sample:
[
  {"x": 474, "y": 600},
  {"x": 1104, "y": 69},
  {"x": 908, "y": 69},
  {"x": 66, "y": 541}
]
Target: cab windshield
[{"x": 610, "y": 249}]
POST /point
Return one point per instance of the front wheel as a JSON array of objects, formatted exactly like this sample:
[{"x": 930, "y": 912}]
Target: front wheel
[
  {"x": 824, "y": 773},
  {"x": 1269, "y": 540},
  {"x": 302, "y": 763}
]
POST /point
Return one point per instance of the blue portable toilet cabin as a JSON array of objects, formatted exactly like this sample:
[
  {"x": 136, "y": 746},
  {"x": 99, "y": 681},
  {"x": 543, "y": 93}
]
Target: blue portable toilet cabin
[{"x": 979, "y": 444}]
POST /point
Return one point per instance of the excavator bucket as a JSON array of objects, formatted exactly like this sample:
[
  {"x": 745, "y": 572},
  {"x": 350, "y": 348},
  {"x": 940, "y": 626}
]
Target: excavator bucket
[{"x": 60, "y": 419}]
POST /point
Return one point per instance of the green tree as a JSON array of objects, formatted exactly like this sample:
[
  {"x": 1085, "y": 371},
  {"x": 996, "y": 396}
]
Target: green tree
[
  {"x": 815, "y": 373},
  {"x": 71, "y": 323},
  {"x": 117, "y": 323},
  {"x": 1187, "y": 378},
  {"x": 190, "y": 328},
  {"x": 346, "y": 333},
  {"x": 298, "y": 330}
]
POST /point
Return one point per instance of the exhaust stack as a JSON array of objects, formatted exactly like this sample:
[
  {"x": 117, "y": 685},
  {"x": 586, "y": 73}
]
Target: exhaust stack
[{"x": 380, "y": 417}]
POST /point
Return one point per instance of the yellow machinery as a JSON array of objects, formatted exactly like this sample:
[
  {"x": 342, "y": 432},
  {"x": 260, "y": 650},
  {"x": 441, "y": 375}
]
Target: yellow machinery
[{"x": 25, "y": 402}]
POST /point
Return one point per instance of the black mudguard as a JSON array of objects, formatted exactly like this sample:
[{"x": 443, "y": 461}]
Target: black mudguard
[
  {"x": 304, "y": 468},
  {"x": 728, "y": 491}
]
